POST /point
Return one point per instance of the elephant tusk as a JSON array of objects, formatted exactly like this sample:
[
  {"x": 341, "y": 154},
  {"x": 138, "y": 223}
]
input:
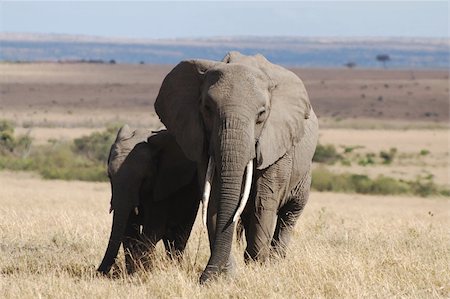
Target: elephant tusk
[
  {"x": 207, "y": 189},
  {"x": 246, "y": 193},
  {"x": 136, "y": 210}
]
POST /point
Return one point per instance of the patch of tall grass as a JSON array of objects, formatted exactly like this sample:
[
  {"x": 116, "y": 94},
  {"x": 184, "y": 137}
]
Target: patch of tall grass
[
  {"x": 82, "y": 159},
  {"x": 325, "y": 180}
]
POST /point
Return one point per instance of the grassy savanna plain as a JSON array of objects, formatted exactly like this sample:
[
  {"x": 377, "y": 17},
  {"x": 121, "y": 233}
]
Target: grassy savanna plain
[{"x": 53, "y": 233}]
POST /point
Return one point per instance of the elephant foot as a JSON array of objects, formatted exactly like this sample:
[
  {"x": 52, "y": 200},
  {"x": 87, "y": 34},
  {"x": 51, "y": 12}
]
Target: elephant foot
[
  {"x": 211, "y": 272},
  {"x": 106, "y": 266}
]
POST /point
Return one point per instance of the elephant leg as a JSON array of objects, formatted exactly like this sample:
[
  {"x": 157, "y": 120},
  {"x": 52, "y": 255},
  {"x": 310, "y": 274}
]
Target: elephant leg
[
  {"x": 131, "y": 243},
  {"x": 176, "y": 238},
  {"x": 270, "y": 186},
  {"x": 289, "y": 214},
  {"x": 259, "y": 220},
  {"x": 150, "y": 237},
  {"x": 153, "y": 231},
  {"x": 259, "y": 234},
  {"x": 177, "y": 235}
]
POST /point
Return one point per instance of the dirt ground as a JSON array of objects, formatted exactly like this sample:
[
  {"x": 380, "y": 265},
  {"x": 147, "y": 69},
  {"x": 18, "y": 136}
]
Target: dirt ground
[{"x": 89, "y": 95}]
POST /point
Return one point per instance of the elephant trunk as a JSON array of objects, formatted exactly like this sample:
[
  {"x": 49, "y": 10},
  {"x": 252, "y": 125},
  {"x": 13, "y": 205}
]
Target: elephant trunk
[
  {"x": 119, "y": 225},
  {"x": 232, "y": 155}
]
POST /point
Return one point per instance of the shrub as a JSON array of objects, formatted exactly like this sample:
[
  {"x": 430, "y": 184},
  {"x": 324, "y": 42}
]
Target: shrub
[
  {"x": 346, "y": 162},
  {"x": 424, "y": 152},
  {"x": 84, "y": 159},
  {"x": 359, "y": 183},
  {"x": 322, "y": 179},
  {"x": 388, "y": 157},
  {"x": 9, "y": 144},
  {"x": 424, "y": 186},
  {"x": 325, "y": 180},
  {"x": 96, "y": 146},
  {"x": 349, "y": 149},
  {"x": 6, "y": 136},
  {"x": 385, "y": 185},
  {"x": 326, "y": 154},
  {"x": 367, "y": 160}
]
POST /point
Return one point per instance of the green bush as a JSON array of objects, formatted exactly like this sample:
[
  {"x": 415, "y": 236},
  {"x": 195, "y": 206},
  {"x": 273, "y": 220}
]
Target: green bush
[
  {"x": 385, "y": 185},
  {"x": 346, "y": 162},
  {"x": 325, "y": 180},
  {"x": 349, "y": 149},
  {"x": 359, "y": 183},
  {"x": 388, "y": 157},
  {"x": 424, "y": 186},
  {"x": 9, "y": 144},
  {"x": 424, "y": 152},
  {"x": 322, "y": 179},
  {"x": 326, "y": 154},
  {"x": 14, "y": 163},
  {"x": 60, "y": 161},
  {"x": 96, "y": 146},
  {"x": 6, "y": 136},
  {"x": 84, "y": 159},
  {"x": 367, "y": 160}
]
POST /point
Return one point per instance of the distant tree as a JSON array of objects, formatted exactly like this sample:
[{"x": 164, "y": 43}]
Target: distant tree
[
  {"x": 112, "y": 61},
  {"x": 142, "y": 62},
  {"x": 350, "y": 64},
  {"x": 383, "y": 58}
]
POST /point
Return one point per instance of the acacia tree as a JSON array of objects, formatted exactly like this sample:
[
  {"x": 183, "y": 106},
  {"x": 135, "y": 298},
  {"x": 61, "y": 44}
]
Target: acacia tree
[{"x": 383, "y": 58}]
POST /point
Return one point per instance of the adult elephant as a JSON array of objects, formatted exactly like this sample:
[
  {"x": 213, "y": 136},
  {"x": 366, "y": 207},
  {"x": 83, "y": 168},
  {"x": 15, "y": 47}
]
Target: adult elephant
[
  {"x": 251, "y": 124},
  {"x": 155, "y": 196}
]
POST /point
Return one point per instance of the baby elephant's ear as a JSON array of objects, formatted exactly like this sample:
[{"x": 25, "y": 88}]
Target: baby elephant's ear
[
  {"x": 289, "y": 109},
  {"x": 177, "y": 105},
  {"x": 124, "y": 133}
]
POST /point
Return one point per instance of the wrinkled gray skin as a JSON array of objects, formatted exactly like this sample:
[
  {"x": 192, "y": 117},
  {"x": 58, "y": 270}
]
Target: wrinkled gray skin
[
  {"x": 149, "y": 171},
  {"x": 240, "y": 109}
]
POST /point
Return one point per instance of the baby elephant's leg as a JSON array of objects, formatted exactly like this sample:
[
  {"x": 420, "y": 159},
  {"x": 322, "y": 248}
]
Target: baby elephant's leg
[
  {"x": 132, "y": 243},
  {"x": 289, "y": 214},
  {"x": 182, "y": 213}
]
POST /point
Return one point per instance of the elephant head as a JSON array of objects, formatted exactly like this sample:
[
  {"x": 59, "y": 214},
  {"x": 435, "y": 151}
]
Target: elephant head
[
  {"x": 231, "y": 113},
  {"x": 143, "y": 167}
]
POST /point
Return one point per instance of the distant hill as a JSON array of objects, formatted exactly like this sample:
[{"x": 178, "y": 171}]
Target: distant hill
[{"x": 291, "y": 51}]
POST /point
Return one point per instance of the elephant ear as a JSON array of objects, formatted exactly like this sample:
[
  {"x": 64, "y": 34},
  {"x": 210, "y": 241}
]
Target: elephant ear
[
  {"x": 173, "y": 169},
  {"x": 124, "y": 133},
  {"x": 177, "y": 105},
  {"x": 289, "y": 108}
]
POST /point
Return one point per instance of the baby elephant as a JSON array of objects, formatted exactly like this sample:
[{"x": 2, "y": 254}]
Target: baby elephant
[{"x": 155, "y": 195}]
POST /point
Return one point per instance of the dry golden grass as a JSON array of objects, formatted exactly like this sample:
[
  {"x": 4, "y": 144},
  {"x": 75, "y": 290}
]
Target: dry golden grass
[{"x": 53, "y": 235}]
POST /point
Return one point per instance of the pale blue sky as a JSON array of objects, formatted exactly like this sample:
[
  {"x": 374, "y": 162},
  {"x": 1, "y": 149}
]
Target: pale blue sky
[{"x": 135, "y": 19}]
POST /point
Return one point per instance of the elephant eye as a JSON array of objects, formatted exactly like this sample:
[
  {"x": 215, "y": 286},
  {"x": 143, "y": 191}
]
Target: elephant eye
[{"x": 261, "y": 116}]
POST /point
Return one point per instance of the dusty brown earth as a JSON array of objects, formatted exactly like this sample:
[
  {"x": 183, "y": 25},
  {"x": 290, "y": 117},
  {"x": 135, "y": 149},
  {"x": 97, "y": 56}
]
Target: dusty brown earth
[{"x": 90, "y": 95}]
